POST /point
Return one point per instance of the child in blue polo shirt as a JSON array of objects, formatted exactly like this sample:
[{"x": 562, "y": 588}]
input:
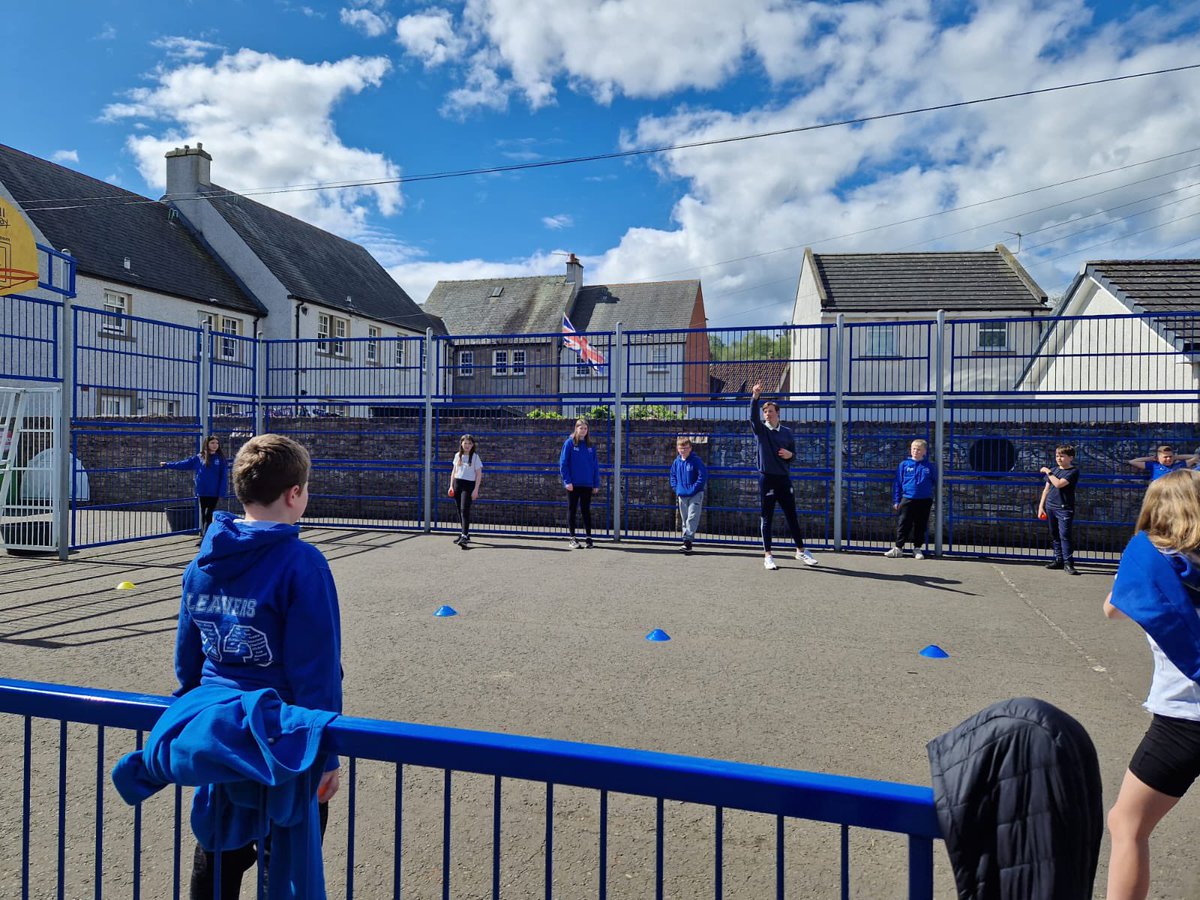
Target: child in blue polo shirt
[
  {"x": 1163, "y": 462},
  {"x": 912, "y": 499}
]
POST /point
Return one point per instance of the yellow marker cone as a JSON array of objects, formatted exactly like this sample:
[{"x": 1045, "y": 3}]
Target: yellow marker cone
[{"x": 126, "y": 586}]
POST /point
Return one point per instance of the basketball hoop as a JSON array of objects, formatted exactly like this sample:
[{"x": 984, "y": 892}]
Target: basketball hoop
[{"x": 13, "y": 279}]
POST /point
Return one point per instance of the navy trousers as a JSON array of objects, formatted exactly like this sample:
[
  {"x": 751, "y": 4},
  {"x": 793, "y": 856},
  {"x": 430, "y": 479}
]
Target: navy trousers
[{"x": 1059, "y": 521}]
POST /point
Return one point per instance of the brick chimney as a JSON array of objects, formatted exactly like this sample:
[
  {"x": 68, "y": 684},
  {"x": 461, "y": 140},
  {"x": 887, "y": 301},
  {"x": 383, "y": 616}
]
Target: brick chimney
[
  {"x": 574, "y": 274},
  {"x": 188, "y": 170}
]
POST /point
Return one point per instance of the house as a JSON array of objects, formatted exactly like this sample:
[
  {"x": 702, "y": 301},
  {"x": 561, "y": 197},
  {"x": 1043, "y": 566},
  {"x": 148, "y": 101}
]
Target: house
[
  {"x": 359, "y": 329},
  {"x": 889, "y": 301},
  {"x": 1122, "y": 326},
  {"x": 508, "y": 337},
  {"x": 136, "y": 260}
]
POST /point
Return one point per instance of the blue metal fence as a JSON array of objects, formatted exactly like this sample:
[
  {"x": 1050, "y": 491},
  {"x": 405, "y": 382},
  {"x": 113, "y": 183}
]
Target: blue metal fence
[{"x": 77, "y": 790}]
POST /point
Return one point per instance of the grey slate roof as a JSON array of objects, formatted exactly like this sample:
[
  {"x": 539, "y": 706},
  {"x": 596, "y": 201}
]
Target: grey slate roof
[
  {"x": 739, "y": 376},
  {"x": 108, "y": 224},
  {"x": 316, "y": 265},
  {"x": 532, "y": 305},
  {"x": 655, "y": 304},
  {"x": 973, "y": 282},
  {"x": 1155, "y": 285}
]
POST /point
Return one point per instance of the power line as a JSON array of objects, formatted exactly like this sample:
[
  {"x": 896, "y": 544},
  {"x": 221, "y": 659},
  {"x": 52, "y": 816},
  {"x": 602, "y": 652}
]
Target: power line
[{"x": 644, "y": 151}]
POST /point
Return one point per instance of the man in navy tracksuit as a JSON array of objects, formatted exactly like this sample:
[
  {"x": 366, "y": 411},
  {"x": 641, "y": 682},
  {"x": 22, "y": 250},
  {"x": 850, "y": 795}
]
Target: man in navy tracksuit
[
  {"x": 776, "y": 450},
  {"x": 260, "y": 610},
  {"x": 912, "y": 499}
]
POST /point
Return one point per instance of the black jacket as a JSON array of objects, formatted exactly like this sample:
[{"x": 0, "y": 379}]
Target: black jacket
[{"x": 1018, "y": 796}]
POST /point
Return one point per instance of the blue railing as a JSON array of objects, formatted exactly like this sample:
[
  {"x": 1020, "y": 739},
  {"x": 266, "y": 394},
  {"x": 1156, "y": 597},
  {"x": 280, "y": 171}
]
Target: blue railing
[{"x": 782, "y": 793}]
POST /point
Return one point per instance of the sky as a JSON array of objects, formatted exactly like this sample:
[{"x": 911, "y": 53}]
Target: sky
[{"x": 285, "y": 93}]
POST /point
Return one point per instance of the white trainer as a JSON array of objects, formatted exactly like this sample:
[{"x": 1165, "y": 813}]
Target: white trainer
[
  {"x": 918, "y": 553},
  {"x": 894, "y": 553},
  {"x": 769, "y": 563},
  {"x": 807, "y": 558}
]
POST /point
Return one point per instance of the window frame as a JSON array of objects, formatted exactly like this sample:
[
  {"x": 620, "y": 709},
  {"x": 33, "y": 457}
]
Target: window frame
[
  {"x": 103, "y": 394},
  {"x": 374, "y": 333},
  {"x": 173, "y": 406},
  {"x": 499, "y": 369},
  {"x": 400, "y": 354},
  {"x": 659, "y": 366},
  {"x": 994, "y": 328},
  {"x": 119, "y": 327},
  {"x": 517, "y": 364},
  {"x": 332, "y": 334},
  {"x": 466, "y": 363},
  {"x": 231, "y": 350},
  {"x": 873, "y": 349}
]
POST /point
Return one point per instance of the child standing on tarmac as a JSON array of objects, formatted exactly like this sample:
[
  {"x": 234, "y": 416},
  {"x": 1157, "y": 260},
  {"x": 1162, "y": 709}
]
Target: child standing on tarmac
[
  {"x": 210, "y": 467},
  {"x": 260, "y": 611},
  {"x": 466, "y": 478},
  {"x": 580, "y": 470},
  {"x": 912, "y": 499},
  {"x": 1057, "y": 507},
  {"x": 1158, "y": 586},
  {"x": 688, "y": 478}
]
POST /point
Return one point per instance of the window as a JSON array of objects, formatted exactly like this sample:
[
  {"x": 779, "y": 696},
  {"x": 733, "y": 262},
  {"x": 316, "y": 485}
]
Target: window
[
  {"x": 583, "y": 369},
  {"x": 499, "y": 362},
  {"x": 118, "y": 305},
  {"x": 157, "y": 406},
  {"x": 518, "y": 363},
  {"x": 114, "y": 403},
  {"x": 224, "y": 409},
  {"x": 373, "y": 344},
  {"x": 331, "y": 334},
  {"x": 993, "y": 336},
  {"x": 881, "y": 340},
  {"x": 229, "y": 345},
  {"x": 466, "y": 363},
  {"x": 400, "y": 351},
  {"x": 658, "y": 359}
]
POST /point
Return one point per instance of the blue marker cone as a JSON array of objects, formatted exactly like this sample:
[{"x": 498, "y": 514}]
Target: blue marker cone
[
  {"x": 933, "y": 651},
  {"x": 658, "y": 635},
  {"x": 444, "y": 611}
]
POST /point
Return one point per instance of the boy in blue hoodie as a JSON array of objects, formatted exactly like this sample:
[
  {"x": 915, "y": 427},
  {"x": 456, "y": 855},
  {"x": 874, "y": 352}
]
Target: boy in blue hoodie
[
  {"x": 912, "y": 499},
  {"x": 260, "y": 610},
  {"x": 688, "y": 478}
]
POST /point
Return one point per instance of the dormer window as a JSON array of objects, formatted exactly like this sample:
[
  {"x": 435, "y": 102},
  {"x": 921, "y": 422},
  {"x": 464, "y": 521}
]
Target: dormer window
[{"x": 496, "y": 292}]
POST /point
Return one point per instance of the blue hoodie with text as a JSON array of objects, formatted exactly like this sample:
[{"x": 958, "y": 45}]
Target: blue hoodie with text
[
  {"x": 578, "y": 464},
  {"x": 688, "y": 476},
  {"x": 915, "y": 479},
  {"x": 210, "y": 478},
  {"x": 260, "y": 610}
]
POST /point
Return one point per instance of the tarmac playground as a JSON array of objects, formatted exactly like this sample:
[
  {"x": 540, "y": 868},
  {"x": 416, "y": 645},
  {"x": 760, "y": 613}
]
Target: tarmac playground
[{"x": 816, "y": 669}]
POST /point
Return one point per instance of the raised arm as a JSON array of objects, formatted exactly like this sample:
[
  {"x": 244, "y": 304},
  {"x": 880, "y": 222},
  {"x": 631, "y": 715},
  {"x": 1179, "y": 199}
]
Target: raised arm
[{"x": 1140, "y": 462}]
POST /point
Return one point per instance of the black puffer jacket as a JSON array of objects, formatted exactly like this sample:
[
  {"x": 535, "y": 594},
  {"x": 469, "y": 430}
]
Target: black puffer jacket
[{"x": 1018, "y": 796}]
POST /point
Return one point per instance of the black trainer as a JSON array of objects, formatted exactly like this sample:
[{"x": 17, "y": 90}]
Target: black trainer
[
  {"x": 588, "y": 544},
  {"x": 1057, "y": 564},
  {"x": 687, "y": 546},
  {"x": 1070, "y": 569}
]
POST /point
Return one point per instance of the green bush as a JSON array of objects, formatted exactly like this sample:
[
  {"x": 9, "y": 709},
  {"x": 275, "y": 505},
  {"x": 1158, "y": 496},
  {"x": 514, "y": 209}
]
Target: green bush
[
  {"x": 657, "y": 411},
  {"x": 544, "y": 414}
]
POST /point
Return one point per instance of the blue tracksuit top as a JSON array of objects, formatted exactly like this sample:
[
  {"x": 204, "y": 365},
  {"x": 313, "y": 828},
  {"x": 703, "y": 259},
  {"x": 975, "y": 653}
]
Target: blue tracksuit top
[
  {"x": 914, "y": 480},
  {"x": 210, "y": 479},
  {"x": 688, "y": 476},
  {"x": 579, "y": 466},
  {"x": 770, "y": 442},
  {"x": 260, "y": 610}
]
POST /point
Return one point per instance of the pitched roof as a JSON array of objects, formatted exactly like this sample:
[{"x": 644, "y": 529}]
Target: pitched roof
[
  {"x": 532, "y": 305},
  {"x": 316, "y": 265},
  {"x": 739, "y": 376},
  {"x": 1155, "y": 285},
  {"x": 103, "y": 225},
  {"x": 978, "y": 282},
  {"x": 655, "y": 304}
]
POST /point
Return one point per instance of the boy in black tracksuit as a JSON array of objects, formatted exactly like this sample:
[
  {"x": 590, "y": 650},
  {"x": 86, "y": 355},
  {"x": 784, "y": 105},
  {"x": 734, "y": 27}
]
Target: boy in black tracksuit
[
  {"x": 776, "y": 450},
  {"x": 1057, "y": 506}
]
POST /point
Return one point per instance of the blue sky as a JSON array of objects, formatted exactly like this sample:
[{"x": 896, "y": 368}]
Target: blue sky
[{"x": 282, "y": 93}]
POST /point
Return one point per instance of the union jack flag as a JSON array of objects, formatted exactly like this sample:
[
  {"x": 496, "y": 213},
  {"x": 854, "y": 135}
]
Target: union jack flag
[{"x": 578, "y": 343}]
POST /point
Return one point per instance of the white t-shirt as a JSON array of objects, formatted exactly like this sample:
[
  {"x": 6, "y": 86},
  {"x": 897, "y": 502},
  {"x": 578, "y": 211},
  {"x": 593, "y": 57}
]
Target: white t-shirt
[
  {"x": 464, "y": 471},
  {"x": 1172, "y": 693}
]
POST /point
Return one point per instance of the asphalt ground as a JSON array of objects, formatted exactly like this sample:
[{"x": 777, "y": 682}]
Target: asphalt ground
[{"x": 816, "y": 669}]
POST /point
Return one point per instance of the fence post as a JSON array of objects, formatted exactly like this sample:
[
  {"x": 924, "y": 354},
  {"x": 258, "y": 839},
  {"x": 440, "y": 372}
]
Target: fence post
[
  {"x": 203, "y": 386},
  {"x": 618, "y": 430},
  {"x": 939, "y": 430},
  {"x": 839, "y": 404},
  {"x": 260, "y": 385},
  {"x": 64, "y": 482},
  {"x": 427, "y": 479}
]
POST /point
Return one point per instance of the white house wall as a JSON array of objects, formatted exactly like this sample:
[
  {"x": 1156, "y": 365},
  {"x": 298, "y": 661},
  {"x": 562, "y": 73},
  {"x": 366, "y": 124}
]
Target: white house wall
[{"x": 808, "y": 368}]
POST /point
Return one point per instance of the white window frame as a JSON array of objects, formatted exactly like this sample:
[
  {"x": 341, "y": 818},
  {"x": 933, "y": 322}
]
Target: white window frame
[
  {"x": 466, "y": 363},
  {"x": 400, "y": 342},
  {"x": 881, "y": 341},
  {"x": 373, "y": 334},
  {"x": 499, "y": 363},
  {"x": 125, "y": 403},
  {"x": 224, "y": 409},
  {"x": 999, "y": 329},
  {"x": 518, "y": 363},
  {"x": 230, "y": 349},
  {"x": 332, "y": 333},
  {"x": 118, "y": 304},
  {"x": 162, "y": 406},
  {"x": 659, "y": 361}
]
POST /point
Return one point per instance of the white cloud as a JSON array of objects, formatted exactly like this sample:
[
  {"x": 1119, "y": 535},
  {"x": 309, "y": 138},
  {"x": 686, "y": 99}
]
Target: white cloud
[
  {"x": 107, "y": 33},
  {"x": 370, "y": 23},
  {"x": 849, "y": 60},
  {"x": 268, "y": 122},
  {"x": 419, "y": 277},
  {"x": 184, "y": 48},
  {"x": 65, "y": 156},
  {"x": 430, "y": 37},
  {"x": 559, "y": 222},
  {"x": 114, "y": 178}
]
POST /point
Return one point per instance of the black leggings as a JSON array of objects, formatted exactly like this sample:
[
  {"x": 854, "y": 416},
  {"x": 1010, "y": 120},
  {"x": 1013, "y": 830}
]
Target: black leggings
[
  {"x": 580, "y": 498},
  {"x": 774, "y": 489},
  {"x": 234, "y": 864},
  {"x": 462, "y": 499},
  {"x": 207, "y": 505}
]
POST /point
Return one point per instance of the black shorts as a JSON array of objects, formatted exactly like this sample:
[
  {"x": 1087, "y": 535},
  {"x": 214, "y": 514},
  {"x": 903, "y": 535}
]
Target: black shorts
[{"x": 1168, "y": 758}]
